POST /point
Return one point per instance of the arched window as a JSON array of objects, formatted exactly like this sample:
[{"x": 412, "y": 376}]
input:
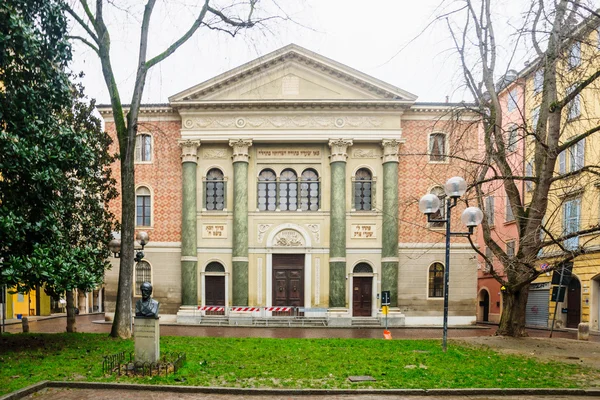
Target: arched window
[
  {"x": 142, "y": 274},
  {"x": 309, "y": 190},
  {"x": 363, "y": 190},
  {"x": 214, "y": 190},
  {"x": 215, "y": 267},
  {"x": 143, "y": 207},
  {"x": 437, "y": 147},
  {"x": 267, "y": 190},
  {"x": 143, "y": 148},
  {"x": 436, "y": 280},
  {"x": 363, "y": 268},
  {"x": 440, "y": 214},
  {"x": 288, "y": 190}
]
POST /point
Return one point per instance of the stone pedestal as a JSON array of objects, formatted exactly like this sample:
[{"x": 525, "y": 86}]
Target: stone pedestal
[
  {"x": 147, "y": 339},
  {"x": 583, "y": 331}
]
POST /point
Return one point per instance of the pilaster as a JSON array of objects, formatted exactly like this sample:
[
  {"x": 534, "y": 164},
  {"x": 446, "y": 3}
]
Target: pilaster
[
  {"x": 389, "y": 250},
  {"x": 240, "y": 222},
  {"x": 189, "y": 233},
  {"x": 337, "y": 237}
]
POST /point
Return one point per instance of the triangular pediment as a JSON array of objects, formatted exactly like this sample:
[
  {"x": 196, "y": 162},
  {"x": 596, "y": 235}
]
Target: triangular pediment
[{"x": 292, "y": 73}]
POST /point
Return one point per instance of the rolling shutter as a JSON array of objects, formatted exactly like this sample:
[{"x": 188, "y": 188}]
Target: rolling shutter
[{"x": 537, "y": 308}]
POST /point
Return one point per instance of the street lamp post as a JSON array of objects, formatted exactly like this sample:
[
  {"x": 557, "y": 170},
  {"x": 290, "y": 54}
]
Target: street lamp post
[
  {"x": 115, "y": 247},
  {"x": 472, "y": 216}
]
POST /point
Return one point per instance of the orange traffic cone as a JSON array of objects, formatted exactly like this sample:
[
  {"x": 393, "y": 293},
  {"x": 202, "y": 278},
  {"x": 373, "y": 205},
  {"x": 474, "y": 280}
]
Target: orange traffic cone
[{"x": 387, "y": 335}]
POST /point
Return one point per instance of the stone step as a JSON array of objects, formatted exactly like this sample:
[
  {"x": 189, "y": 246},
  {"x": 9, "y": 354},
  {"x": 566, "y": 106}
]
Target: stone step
[
  {"x": 366, "y": 322},
  {"x": 290, "y": 322}
]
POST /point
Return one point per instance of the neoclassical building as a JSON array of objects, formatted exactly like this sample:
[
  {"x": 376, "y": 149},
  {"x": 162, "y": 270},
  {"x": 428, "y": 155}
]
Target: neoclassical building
[{"x": 280, "y": 188}]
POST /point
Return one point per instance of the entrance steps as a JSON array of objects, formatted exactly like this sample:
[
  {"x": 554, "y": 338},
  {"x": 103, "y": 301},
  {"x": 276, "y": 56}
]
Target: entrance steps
[
  {"x": 366, "y": 322},
  {"x": 283, "y": 322}
]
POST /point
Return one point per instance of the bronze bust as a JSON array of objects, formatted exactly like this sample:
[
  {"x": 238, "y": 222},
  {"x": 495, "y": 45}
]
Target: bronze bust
[{"x": 146, "y": 306}]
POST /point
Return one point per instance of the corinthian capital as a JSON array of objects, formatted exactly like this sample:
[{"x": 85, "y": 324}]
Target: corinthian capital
[
  {"x": 189, "y": 150},
  {"x": 390, "y": 150},
  {"x": 240, "y": 149},
  {"x": 339, "y": 149}
]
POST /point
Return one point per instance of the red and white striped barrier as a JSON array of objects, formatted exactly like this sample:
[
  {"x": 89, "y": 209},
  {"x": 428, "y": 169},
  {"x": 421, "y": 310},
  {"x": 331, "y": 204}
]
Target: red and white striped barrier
[
  {"x": 244, "y": 309},
  {"x": 278, "y": 309},
  {"x": 211, "y": 308}
]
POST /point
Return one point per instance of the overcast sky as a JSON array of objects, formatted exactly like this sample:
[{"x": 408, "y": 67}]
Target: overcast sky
[{"x": 391, "y": 40}]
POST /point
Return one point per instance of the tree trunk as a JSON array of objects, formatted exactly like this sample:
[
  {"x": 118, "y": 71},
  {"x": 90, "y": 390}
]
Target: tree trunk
[
  {"x": 71, "y": 323},
  {"x": 122, "y": 323},
  {"x": 512, "y": 322}
]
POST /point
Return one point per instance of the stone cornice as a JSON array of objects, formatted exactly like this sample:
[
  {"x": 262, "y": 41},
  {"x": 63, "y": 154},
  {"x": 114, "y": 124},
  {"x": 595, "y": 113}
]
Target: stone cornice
[{"x": 277, "y": 105}]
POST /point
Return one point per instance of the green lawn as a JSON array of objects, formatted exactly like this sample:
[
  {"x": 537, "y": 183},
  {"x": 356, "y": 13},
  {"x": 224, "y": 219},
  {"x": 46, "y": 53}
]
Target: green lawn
[{"x": 285, "y": 363}]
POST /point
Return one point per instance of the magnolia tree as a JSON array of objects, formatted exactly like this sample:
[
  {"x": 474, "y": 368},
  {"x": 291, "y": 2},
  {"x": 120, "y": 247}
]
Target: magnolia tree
[
  {"x": 54, "y": 176},
  {"x": 562, "y": 76},
  {"x": 230, "y": 17}
]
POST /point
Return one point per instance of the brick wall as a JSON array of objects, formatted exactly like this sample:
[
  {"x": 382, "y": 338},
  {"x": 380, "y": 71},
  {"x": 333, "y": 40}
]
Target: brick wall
[{"x": 162, "y": 176}]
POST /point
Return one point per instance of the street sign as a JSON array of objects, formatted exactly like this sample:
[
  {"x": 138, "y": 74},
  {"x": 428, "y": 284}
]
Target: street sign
[
  {"x": 566, "y": 269},
  {"x": 385, "y": 298},
  {"x": 384, "y": 310},
  {"x": 544, "y": 266},
  {"x": 558, "y": 294}
]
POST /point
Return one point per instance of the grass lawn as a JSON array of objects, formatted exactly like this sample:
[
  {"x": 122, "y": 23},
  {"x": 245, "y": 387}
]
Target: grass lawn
[{"x": 285, "y": 363}]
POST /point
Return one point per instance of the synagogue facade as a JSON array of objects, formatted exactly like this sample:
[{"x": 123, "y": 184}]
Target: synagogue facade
[{"x": 288, "y": 186}]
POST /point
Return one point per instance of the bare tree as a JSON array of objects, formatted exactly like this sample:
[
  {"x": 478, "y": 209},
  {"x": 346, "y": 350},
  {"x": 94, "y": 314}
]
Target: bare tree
[
  {"x": 231, "y": 18},
  {"x": 537, "y": 191}
]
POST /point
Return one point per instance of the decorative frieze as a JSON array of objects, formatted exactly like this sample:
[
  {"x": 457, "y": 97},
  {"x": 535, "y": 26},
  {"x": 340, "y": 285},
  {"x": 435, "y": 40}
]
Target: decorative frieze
[
  {"x": 390, "y": 150},
  {"x": 189, "y": 150},
  {"x": 283, "y": 122},
  {"x": 288, "y": 238},
  {"x": 339, "y": 149},
  {"x": 214, "y": 154},
  {"x": 240, "y": 149},
  {"x": 365, "y": 153}
]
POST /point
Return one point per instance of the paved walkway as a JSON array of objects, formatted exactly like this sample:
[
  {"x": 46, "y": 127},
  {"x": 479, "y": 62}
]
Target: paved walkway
[
  {"x": 89, "y": 323},
  {"x": 110, "y": 394}
]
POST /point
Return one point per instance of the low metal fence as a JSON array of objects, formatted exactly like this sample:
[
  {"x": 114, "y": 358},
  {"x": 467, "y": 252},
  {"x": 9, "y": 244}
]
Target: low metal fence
[{"x": 168, "y": 363}]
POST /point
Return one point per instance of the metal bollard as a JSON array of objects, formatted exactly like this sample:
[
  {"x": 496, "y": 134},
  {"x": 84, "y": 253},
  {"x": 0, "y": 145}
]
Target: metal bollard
[{"x": 25, "y": 323}]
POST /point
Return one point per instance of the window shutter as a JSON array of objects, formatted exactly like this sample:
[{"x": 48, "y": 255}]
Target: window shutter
[{"x": 562, "y": 162}]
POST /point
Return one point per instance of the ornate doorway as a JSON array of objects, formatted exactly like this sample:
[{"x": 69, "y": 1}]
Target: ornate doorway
[
  {"x": 288, "y": 281},
  {"x": 214, "y": 285}
]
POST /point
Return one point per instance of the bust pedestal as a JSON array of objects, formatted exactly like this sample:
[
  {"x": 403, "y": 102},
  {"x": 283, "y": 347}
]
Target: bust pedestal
[{"x": 147, "y": 339}]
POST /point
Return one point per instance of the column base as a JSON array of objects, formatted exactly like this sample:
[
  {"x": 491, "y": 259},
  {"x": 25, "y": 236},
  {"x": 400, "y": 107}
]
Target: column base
[{"x": 189, "y": 315}]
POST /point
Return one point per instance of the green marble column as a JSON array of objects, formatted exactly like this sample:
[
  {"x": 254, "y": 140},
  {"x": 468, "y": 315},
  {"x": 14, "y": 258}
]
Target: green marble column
[
  {"x": 389, "y": 245},
  {"x": 239, "y": 271},
  {"x": 189, "y": 224},
  {"x": 337, "y": 224}
]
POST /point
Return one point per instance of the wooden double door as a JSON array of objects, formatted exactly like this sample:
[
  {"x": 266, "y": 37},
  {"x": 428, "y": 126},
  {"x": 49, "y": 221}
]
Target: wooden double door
[
  {"x": 288, "y": 281},
  {"x": 215, "y": 293},
  {"x": 362, "y": 292}
]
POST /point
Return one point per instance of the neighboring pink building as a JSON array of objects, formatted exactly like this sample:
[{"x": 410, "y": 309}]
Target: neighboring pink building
[{"x": 496, "y": 205}]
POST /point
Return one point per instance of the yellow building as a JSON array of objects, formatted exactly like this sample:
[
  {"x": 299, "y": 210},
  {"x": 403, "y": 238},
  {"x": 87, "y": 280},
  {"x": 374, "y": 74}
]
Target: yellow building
[
  {"x": 574, "y": 198},
  {"x": 34, "y": 302}
]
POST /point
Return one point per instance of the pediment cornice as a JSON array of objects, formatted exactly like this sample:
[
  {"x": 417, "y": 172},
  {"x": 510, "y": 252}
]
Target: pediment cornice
[{"x": 296, "y": 54}]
